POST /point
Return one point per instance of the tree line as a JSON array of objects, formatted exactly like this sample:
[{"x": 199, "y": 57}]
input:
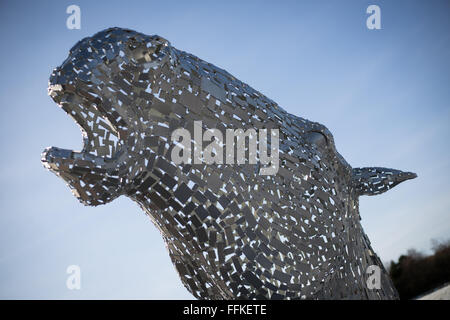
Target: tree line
[{"x": 415, "y": 273}]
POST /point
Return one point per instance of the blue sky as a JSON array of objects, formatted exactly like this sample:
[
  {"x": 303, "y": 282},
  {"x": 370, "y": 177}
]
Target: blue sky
[{"x": 384, "y": 94}]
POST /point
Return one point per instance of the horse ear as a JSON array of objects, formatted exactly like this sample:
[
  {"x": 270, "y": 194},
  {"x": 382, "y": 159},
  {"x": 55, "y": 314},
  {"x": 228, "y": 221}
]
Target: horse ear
[{"x": 374, "y": 180}]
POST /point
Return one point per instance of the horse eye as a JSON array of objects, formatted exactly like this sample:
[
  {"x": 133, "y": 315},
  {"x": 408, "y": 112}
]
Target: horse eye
[{"x": 318, "y": 138}]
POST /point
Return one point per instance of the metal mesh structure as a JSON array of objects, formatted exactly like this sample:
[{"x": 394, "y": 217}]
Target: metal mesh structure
[{"x": 231, "y": 232}]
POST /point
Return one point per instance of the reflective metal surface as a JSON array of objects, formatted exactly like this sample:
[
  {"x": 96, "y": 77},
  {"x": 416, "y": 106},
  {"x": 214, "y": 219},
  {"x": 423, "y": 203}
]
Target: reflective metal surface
[{"x": 230, "y": 232}]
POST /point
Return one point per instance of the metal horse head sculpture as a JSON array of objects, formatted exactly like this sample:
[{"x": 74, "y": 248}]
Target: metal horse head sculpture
[{"x": 231, "y": 232}]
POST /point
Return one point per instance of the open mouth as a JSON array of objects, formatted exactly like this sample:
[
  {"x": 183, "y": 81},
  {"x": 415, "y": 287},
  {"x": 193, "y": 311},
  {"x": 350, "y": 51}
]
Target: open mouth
[
  {"x": 100, "y": 136},
  {"x": 94, "y": 168}
]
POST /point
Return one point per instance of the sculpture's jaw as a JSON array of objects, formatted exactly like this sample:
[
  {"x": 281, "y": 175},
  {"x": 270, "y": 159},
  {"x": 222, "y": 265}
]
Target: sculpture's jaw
[{"x": 92, "y": 172}]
